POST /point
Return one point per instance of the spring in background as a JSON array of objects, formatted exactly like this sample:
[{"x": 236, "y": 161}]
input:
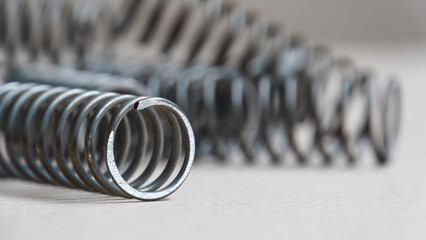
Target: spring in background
[{"x": 242, "y": 80}]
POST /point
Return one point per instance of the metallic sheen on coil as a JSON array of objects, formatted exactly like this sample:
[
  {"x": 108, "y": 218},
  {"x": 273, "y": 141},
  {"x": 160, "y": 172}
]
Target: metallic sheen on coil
[{"x": 102, "y": 142}]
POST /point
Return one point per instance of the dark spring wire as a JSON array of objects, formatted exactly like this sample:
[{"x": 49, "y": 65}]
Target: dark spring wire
[
  {"x": 103, "y": 142},
  {"x": 267, "y": 55}
]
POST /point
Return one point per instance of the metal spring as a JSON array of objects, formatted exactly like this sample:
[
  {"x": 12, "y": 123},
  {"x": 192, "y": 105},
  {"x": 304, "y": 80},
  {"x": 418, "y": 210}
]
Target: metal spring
[
  {"x": 103, "y": 142},
  {"x": 210, "y": 32},
  {"x": 71, "y": 33},
  {"x": 226, "y": 109},
  {"x": 320, "y": 100},
  {"x": 280, "y": 66},
  {"x": 216, "y": 130},
  {"x": 82, "y": 33}
]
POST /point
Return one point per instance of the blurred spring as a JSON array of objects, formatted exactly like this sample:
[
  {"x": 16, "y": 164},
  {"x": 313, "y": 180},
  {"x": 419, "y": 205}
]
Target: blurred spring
[
  {"x": 79, "y": 33},
  {"x": 287, "y": 71},
  {"x": 290, "y": 75},
  {"x": 71, "y": 33},
  {"x": 103, "y": 142},
  {"x": 69, "y": 77},
  {"x": 330, "y": 107},
  {"x": 211, "y": 32}
]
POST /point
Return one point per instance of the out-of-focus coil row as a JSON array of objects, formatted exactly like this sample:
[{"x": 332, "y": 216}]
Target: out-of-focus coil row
[
  {"x": 270, "y": 87},
  {"x": 103, "y": 142},
  {"x": 71, "y": 33},
  {"x": 299, "y": 85}
]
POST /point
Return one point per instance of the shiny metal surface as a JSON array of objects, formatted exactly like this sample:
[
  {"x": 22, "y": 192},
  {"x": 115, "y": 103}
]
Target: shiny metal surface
[{"x": 102, "y": 142}]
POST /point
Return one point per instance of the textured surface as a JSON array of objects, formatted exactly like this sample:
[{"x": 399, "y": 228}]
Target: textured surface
[{"x": 253, "y": 202}]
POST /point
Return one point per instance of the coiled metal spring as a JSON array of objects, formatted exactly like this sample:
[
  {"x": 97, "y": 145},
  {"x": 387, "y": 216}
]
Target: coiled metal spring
[
  {"x": 287, "y": 71},
  {"x": 210, "y": 32},
  {"x": 216, "y": 131},
  {"x": 226, "y": 109},
  {"x": 103, "y": 142},
  {"x": 71, "y": 33},
  {"x": 336, "y": 106}
]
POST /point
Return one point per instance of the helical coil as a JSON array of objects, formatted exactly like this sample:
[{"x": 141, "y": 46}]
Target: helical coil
[
  {"x": 309, "y": 110},
  {"x": 71, "y": 33},
  {"x": 199, "y": 93},
  {"x": 294, "y": 70},
  {"x": 211, "y": 32},
  {"x": 103, "y": 142},
  {"x": 227, "y": 109}
]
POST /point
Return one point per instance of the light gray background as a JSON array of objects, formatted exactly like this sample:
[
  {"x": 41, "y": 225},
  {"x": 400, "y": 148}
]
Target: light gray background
[
  {"x": 349, "y": 20},
  {"x": 260, "y": 202}
]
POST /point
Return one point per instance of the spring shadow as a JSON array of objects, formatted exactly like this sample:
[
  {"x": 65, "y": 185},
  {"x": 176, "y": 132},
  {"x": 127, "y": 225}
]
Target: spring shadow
[{"x": 15, "y": 188}]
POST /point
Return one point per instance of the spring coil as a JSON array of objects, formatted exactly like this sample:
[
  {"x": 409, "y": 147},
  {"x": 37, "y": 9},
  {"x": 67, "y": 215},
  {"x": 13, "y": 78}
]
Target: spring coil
[
  {"x": 243, "y": 40},
  {"x": 103, "y": 142},
  {"x": 289, "y": 66},
  {"x": 216, "y": 130},
  {"x": 227, "y": 109},
  {"x": 210, "y": 32},
  {"x": 71, "y": 33},
  {"x": 320, "y": 100},
  {"x": 81, "y": 33}
]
